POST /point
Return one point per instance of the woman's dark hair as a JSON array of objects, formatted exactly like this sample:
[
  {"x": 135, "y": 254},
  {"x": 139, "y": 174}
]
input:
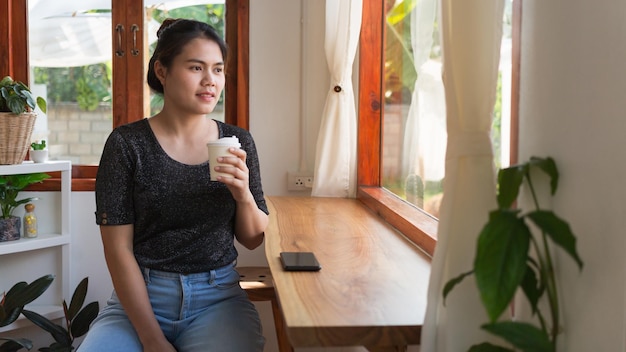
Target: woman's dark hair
[{"x": 173, "y": 35}]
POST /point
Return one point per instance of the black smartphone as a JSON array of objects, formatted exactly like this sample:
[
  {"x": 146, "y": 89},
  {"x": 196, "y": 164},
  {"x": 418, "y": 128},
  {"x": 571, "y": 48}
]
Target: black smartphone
[{"x": 299, "y": 261}]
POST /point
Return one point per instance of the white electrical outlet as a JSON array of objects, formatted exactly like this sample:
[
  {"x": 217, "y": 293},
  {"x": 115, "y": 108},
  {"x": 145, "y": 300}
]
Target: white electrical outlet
[{"x": 299, "y": 181}]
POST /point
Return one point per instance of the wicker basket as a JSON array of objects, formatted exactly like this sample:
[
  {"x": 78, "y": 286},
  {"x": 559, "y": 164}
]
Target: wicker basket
[{"x": 15, "y": 133}]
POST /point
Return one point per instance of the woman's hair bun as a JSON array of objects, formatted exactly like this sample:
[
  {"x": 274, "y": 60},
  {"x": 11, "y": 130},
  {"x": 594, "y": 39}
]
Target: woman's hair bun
[{"x": 165, "y": 25}]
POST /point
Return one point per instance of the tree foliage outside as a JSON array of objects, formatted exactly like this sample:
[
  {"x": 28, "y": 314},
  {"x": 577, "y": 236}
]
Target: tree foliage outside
[
  {"x": 212, "y": 14},
  {"x": 86, "y": 85}
]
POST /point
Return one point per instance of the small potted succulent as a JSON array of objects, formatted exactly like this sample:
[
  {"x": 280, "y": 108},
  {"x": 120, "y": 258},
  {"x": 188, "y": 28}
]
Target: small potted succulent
[
  {"x": 10, "y": 187},
  {"x": 39, "y": 151},
  {"x": 17, "y": 118}
]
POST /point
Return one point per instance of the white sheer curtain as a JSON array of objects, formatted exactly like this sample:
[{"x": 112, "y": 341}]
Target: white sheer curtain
[
  {"x": 425, "y": 128},
  {"x": 471, "y": 34},
  {"x": 335, "y": 159}
]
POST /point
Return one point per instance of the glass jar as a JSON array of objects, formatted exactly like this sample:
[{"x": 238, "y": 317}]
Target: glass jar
[{"x": 30, "y": 221}]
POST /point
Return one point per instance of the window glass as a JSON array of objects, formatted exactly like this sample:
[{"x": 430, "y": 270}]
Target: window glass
[
  {"x": 71, "y": 66},
  {"x": 414, "y": 118},
  {"x": 70, "y": 63},
  {"x": 501, "y": 126}
]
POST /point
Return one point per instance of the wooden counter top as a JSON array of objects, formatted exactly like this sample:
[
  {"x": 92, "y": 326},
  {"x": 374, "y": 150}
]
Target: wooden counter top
[{"x": 372, "y": 288}]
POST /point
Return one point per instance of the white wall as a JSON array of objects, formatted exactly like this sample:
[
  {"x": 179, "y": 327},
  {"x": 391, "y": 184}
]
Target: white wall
[
  {"x": 286, "y": 137},
  {"x": 573, "y": 109}
]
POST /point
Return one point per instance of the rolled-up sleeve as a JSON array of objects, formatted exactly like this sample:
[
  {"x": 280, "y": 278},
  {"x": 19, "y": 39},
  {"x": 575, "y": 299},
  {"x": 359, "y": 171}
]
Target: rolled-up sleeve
[{"x": 114, "y": 183}]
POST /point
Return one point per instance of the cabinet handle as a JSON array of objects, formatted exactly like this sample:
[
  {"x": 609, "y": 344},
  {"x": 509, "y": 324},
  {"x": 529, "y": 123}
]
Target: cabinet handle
[
  {"x": 120, "y": 31},
  {"x": 134, "y": 28}
]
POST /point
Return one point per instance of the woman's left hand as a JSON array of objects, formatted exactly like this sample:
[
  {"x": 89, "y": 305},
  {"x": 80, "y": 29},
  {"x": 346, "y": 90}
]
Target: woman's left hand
[{"x": 238, "y": 184}]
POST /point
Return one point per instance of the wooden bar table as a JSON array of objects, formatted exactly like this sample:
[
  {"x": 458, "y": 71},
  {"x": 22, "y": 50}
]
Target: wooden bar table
[{"x": 371, "y": 290}]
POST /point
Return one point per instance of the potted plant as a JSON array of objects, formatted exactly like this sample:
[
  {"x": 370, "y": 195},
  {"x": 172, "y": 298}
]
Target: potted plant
[
  {"x": 12, "y": 305},
  {"x": 513, "y": 252},
  {"x": 77, "y": 320},
  {"x": 39, "y": 151},
  {"x": 16, "y": 119},
  {"x": 10, "y": 187}
]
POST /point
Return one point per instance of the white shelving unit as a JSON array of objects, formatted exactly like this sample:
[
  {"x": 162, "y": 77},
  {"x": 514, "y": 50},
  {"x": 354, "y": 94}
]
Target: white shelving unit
[{"x": 60, "y": 238}]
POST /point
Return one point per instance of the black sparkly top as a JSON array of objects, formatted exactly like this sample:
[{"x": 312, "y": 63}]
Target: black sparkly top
[{"x": 183, "y": 221}]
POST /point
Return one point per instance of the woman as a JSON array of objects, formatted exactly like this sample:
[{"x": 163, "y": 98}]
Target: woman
[{"x": 167, "y": 230}]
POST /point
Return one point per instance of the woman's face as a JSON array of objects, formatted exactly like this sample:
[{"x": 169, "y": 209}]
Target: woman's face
[{"x": 194, "y": 81}]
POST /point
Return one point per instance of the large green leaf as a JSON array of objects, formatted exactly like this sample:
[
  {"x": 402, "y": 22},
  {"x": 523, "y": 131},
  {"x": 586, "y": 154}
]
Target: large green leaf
[
  {"x": 19, "y": 182},
  {"x": 26, "y": 96},
  {"x": 11, "y": 185},
  {"x": 20, "y": 295},
  {"x": 524, "y": 336},
  {"x": 453, "y": 282},
  {"x": 9, "y": 316},
  {"x": 16, "y": 104},
  {"x": 532, "y": 288},
  {"x": 13, "y": 298},
  {"x": 12, "y": 345},
  {"x": 78, "y": 298},
  {"x": 500, "y": 262},
  {"x": 509, "y": 182},
  {"x": 548, "y": 166},
  {"x": 487, "y": 347},
  {"x": 24, "y": 201},
  {"x": 558, "y": 230},
  {"x": 41, "y": 102},
  {"x": 81, "y": 324},
  {"x": 58, "y": 332}
]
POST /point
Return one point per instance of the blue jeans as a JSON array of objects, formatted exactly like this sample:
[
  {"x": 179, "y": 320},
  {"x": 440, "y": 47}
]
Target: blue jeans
[{"x": 201, "y": 312}]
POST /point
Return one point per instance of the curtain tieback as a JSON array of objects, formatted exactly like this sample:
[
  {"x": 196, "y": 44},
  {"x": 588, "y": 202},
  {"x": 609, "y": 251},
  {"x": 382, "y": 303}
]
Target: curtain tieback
[
  {"x": 467, "y": 143},
  {"x": 341, "y": 85}
]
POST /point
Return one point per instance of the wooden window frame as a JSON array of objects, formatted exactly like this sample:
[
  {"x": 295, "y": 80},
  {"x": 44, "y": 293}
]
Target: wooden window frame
[
  {"x": 128, "y": 80},
  {"x": 415, "y": 224},
  {"x": 14, "y": 18}
]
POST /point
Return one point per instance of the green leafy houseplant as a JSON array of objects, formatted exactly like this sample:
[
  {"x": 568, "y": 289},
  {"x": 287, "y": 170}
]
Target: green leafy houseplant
[
  {"x": 77, "y": 320},
  {"x": 17, "y": 119},
  {"x": 38, "y": 145},
  {"x": 504, "y": 261},
  {"x": 12, "y": 305},
  {"x": 17, "y": 98},
  {"x": 11, "y": 186}
]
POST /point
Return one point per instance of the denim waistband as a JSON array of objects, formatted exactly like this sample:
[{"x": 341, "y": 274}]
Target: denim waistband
[{"x": 211, "y": 274}]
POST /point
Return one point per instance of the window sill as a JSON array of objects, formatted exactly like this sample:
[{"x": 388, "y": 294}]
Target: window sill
[{"x": 419, "y": 227}]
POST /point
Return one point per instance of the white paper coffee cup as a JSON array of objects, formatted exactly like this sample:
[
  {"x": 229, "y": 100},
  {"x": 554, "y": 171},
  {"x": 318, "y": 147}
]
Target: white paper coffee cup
[{"x": 220, "y": 148}]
